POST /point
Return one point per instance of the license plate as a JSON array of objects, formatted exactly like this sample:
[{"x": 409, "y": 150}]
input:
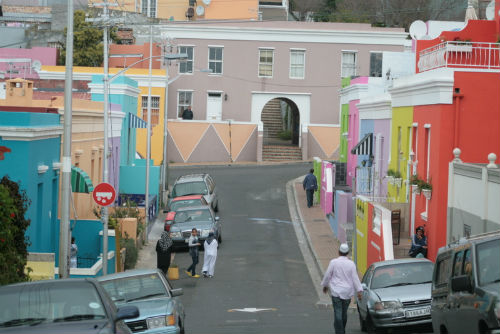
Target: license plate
[{"x": 418, "y": 312}]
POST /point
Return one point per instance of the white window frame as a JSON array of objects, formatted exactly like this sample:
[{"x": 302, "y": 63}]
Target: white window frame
[
  {"x": 186, "y": 61},
  {"x": 144, "y": 10},
  {"x": 179, "y": 105},
  {"x": 155, "y": 108},
  {"x": 342, "y": 71},
  {"x": 216, "y": 61},
  {"x": 272, "y": 62},
  {"x": 303, "y": 66}
]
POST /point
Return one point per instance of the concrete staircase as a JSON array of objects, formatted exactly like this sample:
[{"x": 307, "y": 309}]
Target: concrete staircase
[
  {"x": 271, "y": 117},
  {"x": 281, "y": 153}
]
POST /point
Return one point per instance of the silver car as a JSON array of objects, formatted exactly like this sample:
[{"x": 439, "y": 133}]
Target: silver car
[
  {"x": 396, "y": 293},
  {"x": 202, "y": 218}
]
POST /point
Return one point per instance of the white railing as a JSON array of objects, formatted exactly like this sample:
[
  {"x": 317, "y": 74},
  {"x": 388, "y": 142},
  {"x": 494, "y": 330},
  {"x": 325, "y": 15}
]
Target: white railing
[{"x": 472, "y": 55}]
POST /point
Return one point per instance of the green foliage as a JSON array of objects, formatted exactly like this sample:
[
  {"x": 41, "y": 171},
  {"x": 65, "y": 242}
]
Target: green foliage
[
  {"x": 87, "y": 42},
  {"x": 425, "y": 185},
  {"x": 13, "y": 242},
  {"x": 390, "y": 172},
  {"x": 285, "y": 135},
  {"x": 397, "y": 174},
  {"x": 131, "y": 254}
]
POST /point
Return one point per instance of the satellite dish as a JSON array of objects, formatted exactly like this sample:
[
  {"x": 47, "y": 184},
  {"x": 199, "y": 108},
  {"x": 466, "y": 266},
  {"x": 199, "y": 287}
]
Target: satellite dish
[
  {"x": 418, "y": 29},
  {"x": 206, "y": 2},
  {"x": 36, "y": 65},
  {"x": 200, "y": 10},
  {"x": 490, "y": 10}
]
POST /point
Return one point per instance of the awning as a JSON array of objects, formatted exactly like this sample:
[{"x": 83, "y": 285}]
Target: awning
[
  {"x": 80, "y": 181},
  {"x": 365, "y": 146}
]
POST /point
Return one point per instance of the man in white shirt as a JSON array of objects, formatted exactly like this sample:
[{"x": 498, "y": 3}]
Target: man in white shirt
[{"x": 341, "y": 278}]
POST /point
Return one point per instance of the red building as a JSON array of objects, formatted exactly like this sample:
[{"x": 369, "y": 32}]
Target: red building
[
  {"x": 125, "y": 55},
  {"x": 456, "y": 104}
]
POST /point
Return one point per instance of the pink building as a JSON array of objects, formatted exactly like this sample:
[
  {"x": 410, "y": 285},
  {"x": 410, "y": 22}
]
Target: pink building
[{"x": 23, "y": 63}]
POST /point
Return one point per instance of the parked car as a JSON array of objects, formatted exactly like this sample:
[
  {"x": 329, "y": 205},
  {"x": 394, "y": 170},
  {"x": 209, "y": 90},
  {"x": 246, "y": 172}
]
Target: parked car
[
  {"x": 61, "y": 306},
  {"x": 201, "y": 217},
  {"x": 466, "y": 286},
  {"x": 196, "y": 184},
  {"x": 151, "y": 292},
  {"x": 396, "y": 293},
  {"x": 181, "y": 202}
]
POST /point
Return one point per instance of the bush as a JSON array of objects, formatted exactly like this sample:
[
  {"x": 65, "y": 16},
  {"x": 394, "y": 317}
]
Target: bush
[
  {"x": 13, "y": 241},
  {"x": 285, "y": 135},
  {"x": 131, "y": 253}
]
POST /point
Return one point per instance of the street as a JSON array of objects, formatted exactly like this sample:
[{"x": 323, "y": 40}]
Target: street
[{"x": 261, "y": 282}]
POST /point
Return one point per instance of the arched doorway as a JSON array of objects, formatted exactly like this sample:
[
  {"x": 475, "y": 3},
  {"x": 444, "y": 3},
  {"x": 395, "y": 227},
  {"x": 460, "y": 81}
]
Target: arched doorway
[{"x": 281, "y": 120}]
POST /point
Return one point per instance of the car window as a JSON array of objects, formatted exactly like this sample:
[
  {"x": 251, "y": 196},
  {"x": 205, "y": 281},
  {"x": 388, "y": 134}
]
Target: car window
[
  {"x": 192, "y": 216},
  {"x": 190, "y": 188},
  {"x": 488, "y": 262},
  {"x": 457, "y": 264},
  {"x": 402, "y": 274},
  {"x": 33, "y": 304},
  {"x": 366, "y": 276},
  {"x": 137, "y": 287},
  {"x": 443, "y": 270},
  {"x": 467, "y": 267},
  {"x": 176, "y": 205}
]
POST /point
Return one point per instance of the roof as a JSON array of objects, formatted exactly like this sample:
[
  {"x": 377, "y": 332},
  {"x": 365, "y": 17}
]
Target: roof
[
  {"x": 192, "y": 208},
  {"x": 182, "y": 198},
  {"x": 399, "y": 261},
  {"x": 190, "y": 177},
  {"x": 129, "y": 273}
]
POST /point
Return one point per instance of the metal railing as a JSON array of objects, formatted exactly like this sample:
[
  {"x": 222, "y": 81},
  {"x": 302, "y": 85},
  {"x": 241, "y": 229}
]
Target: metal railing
[{"x": 457, "y": 54}]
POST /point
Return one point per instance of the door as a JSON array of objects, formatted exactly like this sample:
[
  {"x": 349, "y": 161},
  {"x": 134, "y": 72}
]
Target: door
[{"x": 214, "y": 106}]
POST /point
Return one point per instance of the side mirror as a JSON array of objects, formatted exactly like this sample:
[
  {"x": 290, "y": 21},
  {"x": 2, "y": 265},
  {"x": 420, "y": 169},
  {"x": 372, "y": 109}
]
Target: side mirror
[
  {"x": 125, "y": 312},
  {"x": 217, "y": 218},
  {"x": 177, "y": 292},
  {"x": 461, "y": 283},
  {"x": 363, "y": 285}
]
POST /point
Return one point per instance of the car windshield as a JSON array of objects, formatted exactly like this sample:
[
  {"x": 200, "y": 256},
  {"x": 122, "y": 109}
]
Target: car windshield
[
  {"x": 33, "y": 304},
  {"x": 402, "y": 274},
  {"x": 176, "y": 205},
  {"x": 190, "y": 188},
  {"x": 192, "y": 216},
  {"x": 488, "y": 262},
  {"x": 127, "y": 289}
]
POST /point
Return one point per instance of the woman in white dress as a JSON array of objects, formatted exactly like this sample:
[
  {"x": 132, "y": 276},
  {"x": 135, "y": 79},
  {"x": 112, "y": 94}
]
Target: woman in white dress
[{"x": 210, "y": 256}]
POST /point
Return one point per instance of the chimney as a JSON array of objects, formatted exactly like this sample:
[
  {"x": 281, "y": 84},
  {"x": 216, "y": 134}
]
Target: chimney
[{"x": 19, "y": 92}]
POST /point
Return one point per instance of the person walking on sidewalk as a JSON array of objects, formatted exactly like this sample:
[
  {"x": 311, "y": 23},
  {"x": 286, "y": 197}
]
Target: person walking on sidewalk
[
  {"x": 164, "y": 252},
  {"x": 210, "y": 256},
  {"x": 194, "y": 251},
  {"x": 341, "y": 278},
  {"x": 310, "y": 185}
]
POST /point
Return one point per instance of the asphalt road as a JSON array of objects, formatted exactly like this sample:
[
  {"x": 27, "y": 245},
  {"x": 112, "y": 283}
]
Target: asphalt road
[{"x": 261, "y": 282}]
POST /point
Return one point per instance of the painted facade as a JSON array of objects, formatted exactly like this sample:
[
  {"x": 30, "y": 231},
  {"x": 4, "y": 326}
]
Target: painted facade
[{"x": 23, "y": 63}]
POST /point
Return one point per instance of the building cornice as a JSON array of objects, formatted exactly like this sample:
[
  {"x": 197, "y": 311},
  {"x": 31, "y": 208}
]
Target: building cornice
[
  {"x": 118, "y": 89},
  {"x": 352, "y": 92},
  {"x": 375, "y": 107},
  {"x": 431, "y": 87},
  {"x": 30, "y": 134}
]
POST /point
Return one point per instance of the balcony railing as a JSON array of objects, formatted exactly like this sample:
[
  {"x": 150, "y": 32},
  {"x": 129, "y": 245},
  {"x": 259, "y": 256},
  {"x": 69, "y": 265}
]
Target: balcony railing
[{"x": 470, "y": 55}]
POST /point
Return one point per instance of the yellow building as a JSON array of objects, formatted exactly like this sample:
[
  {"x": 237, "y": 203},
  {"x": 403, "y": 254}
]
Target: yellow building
[{"x": 183, "y": 10}]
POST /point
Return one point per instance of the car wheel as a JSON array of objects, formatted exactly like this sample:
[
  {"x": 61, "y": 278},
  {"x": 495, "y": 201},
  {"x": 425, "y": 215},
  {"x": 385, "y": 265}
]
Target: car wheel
[
  {"x": 181, "y": 324},
  {"x": 216, "y": 209},
  {"x": 362, "y": 323},
  {"x": 370, "y": 327},
  {"x": 219, "y": 239}
]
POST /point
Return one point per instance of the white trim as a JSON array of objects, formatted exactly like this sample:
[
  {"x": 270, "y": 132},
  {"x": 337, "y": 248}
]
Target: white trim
[
  {"x": 215, "y": 46},
  {"x": 375, "y": 107},
  {"x": 427, "y": 126},
  {"x": 259, "y": 63},
  {"x": 266, "y": 34},
  {"x": 42, "y": 169},
  {"x": 414, "y": 124},
  {"x": 303, "y": 65},
  {"x": 29, "y": 134},
  {"x": 353, "y": 92},
  {"x": 302, "y": 100},
  {"x": 325, "y": 125},
  {"x": 215, "y": 61},
  {"x": 298, "y": 49},
  {"x": 433, "y": 87},
  {"x": 377, "y": 247},
  {"x": 350, "y": 51},
  {"x": 267, "y": 47},
  {"x": 120, "y": 89}
]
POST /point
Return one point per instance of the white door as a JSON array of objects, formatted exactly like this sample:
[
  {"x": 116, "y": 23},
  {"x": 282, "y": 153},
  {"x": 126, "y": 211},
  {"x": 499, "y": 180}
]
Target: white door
[{"x": 214, "y": 106}]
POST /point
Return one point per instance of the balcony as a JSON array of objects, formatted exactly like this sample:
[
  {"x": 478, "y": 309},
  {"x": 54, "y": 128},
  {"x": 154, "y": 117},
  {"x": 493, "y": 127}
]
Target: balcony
[{"x": 465, "y": 55}]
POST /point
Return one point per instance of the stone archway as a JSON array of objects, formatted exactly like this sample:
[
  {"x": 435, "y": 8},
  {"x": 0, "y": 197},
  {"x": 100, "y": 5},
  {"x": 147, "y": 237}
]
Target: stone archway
[{"x": 281, "y": 122}]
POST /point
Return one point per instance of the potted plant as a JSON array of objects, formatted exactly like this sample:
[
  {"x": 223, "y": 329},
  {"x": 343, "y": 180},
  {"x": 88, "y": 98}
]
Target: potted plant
[
  {"x": 398, "y": 181},
  {"x": 415, "y": 184},
  {"x": 426, "y": 188},
  {"x": 390, "y": 176},
  {"x": 173, "y": 272}
]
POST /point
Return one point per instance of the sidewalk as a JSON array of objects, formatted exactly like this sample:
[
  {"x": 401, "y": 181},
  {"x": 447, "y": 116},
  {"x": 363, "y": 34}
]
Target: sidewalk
[{"x": 321, "y": 245}]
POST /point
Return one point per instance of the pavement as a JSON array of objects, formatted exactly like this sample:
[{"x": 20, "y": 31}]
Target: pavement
[{"x": 314, "y": 234}]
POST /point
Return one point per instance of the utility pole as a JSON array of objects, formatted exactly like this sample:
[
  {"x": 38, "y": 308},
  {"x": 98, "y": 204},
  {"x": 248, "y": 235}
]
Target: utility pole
[
  {"x": 104, "y": 216},
  {"x": 148, "y": 146},
  {"x": 66, "y": 158}
]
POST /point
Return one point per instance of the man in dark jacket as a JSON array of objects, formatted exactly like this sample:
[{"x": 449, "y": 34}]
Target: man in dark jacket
[
  {"x": 310, "y": 185},
  {"x": 187, "y": 113}
]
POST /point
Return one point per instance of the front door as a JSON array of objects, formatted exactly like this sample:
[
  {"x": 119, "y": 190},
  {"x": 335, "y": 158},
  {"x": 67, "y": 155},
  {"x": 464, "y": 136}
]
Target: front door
[{"x": 214, "y": 106}]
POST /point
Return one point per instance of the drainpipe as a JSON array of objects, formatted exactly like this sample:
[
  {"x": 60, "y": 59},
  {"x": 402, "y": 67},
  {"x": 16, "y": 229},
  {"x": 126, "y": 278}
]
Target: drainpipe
[{"x": 457, "y": 96}]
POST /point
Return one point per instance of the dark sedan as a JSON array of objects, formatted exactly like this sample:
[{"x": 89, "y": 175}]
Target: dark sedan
[{"x": 61, "y": 306}]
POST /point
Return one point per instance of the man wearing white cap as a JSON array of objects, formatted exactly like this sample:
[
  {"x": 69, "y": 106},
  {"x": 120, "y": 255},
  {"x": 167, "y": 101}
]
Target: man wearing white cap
[{"x": 341, "y": 278}]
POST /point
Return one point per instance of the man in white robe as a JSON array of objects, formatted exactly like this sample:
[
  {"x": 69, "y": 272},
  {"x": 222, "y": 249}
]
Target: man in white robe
[{"x": 210, "y": 256}]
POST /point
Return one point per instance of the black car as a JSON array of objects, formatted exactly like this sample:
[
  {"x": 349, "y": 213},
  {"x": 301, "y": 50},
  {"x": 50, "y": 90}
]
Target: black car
[{"x": 61, "y": 306}]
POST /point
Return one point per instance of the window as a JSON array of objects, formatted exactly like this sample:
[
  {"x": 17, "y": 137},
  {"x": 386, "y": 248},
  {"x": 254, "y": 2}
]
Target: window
[
  {"x": 348, "y": 64},
  {"x": 266, "y": 62},
  {"x": 375, "y": 64},
  {"x": 152, "y": 8},
  {"x": 215, "y": 58},
  {"x": 186, "y": 66},
  {"x": 443, "y": 271},
  {"x": 488, "y": 262},
  {"x": 377, "y": 221},
  {"x": 185, "y": 99},
  {"x": 297, "y": 64},
  {"x": 457, "y": 264},
  {"x": 155, "y": 109}
]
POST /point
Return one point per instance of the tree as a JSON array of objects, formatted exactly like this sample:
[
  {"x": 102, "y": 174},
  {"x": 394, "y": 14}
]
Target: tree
[
  {"x": 87, "y": 42},
  {"x": 13, "y": 242},
  {"x": 301, "y": 8}
]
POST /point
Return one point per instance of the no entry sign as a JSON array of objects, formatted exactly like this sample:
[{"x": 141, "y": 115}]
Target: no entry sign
[{"x": 104, "y": 194}]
